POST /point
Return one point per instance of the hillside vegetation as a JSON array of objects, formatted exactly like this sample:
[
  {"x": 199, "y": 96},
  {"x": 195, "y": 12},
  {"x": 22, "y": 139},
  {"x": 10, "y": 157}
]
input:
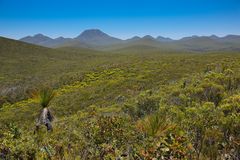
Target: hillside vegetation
[{"x": 133, "y": 105}]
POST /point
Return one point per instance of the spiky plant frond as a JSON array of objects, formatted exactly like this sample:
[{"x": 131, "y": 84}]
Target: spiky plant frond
[
  {"x": 155, "y": 124},
  {"x": 45, "y": 96}
]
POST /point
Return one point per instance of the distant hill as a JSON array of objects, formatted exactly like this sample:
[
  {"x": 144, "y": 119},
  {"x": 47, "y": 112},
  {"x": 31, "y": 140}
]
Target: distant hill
[
  {"x": 98, "y": 40},
  {"x": 163, "y": 39},
  {"x": 17, "y": 49},
  {"x": 97, "y": 37},
  {"x": 56, "y": 42},
  {"x": 12, "y": 48},
  {"x": 230, "y": 39},
  {"x": 36, "y": 39},
  {"x": 133, "y": 39},
  {"x": 88, "y": 39},
  {"x": 145, "y": 43},
  {"x": 42, "y": 40},
  {"x": 148, "y": 37},
  {"x": 209, "y": 43}
]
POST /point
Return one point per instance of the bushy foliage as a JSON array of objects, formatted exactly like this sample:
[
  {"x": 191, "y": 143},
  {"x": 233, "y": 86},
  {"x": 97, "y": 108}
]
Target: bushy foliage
[
  {"x": 144, "y": 104},
  {"x": 139, "y": 107}
]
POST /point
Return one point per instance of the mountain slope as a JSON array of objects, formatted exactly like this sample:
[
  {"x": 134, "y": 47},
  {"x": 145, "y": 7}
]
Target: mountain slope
[
  {"x": 164, "y": 39},
  {"x": 25, "y": 66},
  {"x": 97, "y": 37},
  {"x": 135, "y": 38},
  {"x": 42, "y": 40},
  {"x": 36, "y": 39},
  {"x": 205, "y": 43},
  {"x": 87, "y": 39},
  {"x": 98, "y": 40}
]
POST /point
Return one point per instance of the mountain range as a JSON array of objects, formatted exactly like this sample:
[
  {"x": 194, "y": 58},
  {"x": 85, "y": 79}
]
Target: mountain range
[{"x": 98, "y": 40}]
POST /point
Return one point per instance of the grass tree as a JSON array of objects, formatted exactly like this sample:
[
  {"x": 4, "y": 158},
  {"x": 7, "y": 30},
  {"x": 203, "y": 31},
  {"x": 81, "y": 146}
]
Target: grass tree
[{"x": 45, "y": 117}]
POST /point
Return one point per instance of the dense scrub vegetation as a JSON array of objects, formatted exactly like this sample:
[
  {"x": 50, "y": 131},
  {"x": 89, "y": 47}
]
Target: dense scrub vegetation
[{"x": 155, "y": 106}]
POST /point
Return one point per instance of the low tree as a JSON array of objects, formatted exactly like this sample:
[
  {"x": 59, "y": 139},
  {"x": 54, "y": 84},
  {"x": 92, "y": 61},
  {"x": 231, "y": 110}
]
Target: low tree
[{"x": 45, "y": 117}]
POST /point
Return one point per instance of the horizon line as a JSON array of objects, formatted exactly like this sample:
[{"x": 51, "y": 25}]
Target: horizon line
[{"x": 52, "y": 37}]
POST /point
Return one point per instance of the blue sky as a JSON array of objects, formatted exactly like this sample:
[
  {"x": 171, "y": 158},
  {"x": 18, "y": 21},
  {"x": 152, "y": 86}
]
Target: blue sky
[{"x": 120, "y": 18}]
